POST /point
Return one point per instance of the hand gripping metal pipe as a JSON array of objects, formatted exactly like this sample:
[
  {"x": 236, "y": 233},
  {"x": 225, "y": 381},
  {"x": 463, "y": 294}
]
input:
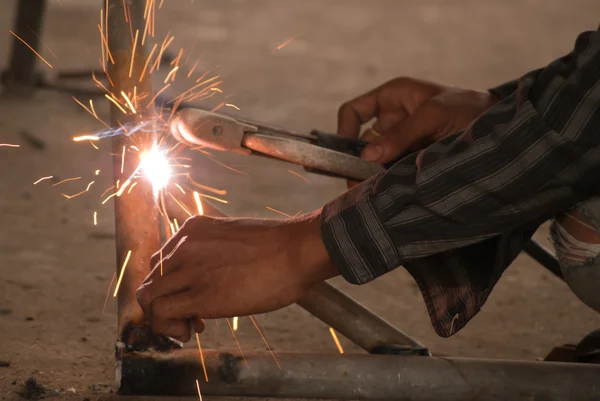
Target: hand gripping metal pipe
[{"x": 333, "y": 307}]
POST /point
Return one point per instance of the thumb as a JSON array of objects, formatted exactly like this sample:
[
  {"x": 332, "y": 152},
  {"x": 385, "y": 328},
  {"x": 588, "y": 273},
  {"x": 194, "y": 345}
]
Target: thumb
[{"x": 401, "y": 137}]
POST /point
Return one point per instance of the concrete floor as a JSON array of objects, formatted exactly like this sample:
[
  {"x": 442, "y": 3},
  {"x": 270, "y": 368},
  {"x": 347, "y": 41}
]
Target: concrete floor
[{"x": 55, "y": 265}]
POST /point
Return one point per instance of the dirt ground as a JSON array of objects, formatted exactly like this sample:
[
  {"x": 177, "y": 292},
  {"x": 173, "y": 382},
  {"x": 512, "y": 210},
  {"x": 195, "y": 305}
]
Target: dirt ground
[{"x": 55, "y": 265}]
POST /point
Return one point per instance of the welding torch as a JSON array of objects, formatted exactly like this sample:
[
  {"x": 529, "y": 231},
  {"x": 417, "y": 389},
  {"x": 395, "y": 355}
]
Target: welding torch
[{"x": 318, "y": 152}]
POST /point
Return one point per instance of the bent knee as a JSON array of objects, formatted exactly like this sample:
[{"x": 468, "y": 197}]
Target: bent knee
[{"x": 576, "y": 238}]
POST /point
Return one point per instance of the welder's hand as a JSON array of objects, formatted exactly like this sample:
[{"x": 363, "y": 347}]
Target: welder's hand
[
  {"x": 215, "y": 268},
  {"x": 409, "y": 115}
]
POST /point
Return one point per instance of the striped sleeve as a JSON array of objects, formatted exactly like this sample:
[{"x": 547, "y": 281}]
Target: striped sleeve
[{"x": 533, "y": 154}]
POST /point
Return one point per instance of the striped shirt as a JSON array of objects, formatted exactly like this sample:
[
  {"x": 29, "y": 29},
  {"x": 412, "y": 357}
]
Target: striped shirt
[{"x": 457, "y": 213}]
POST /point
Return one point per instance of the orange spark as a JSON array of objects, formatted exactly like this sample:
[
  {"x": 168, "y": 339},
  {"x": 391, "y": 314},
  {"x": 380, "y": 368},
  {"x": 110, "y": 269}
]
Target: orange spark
[
  {"x": 181, "y": 189},
  {"x": 299, "y": 176},
  {"x": 287, "y": 42},
  {"x": 161, "y": 262},
  {"x": 9, "y": 145},
  {"x": 95, "y": 218},
  {"x": 213, "y": 198},
  {"x": 335, "y": 339},
  {"x": 237, "y": 342},
  {"x": 147, "y": 61},
  {"x": 176, "y": 224},
  {"x": 106, "y": 200},
  {"x": 217, "y": 90},
  {"x": 86, "y": 138},
  {"x": 151, "y": 102},
  {"x": 198, "y": 384},
  {"x": 128, "y": 101},
  {"x": 279, "y": 211},
  {"x": 198, "y": 203},
  {"x": 181, "y": 205},
  {"x": 101, "y": 29},
  {"x": 115, "y": 103},
  {"x": 42, "y": 179},
  {"x": 121, "y": 275},
  {"x": 137, "y": 31},
  {"x": 108, "y": 291},
  {"x": 192, "y": 69},
  {"x": 92, "y": 107},
  {"x": 97, "y": 172},
  {"x": 235, "y": 323},
  {"x": 264, "y": 340},
  {"x": 78, "y": 193},
  {"x": 123, "y": 160},
  {"x": 45, "y": 45},
  {"x": 131, "y": 187},
  {"x": 232, "y": 105},
  {"x": 68, "y": 179},
  {"x": 201, "y": 356},
  {"x": 104, "y": 44},
  {"x": 94, "y": 145},
  {"x": 125, "y": 184},
  {"x": 31, "y": 48},
  {"x": 171, "y": 73},
  {"x": 104, "y": 193}
]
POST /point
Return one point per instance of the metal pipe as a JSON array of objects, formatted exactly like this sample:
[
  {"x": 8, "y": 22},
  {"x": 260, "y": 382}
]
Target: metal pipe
[
  {"x": 353, "y": 320},
  {"x": 21, "y": 74},
  {"x": 136, "y": 216},
  {"x": 365, "y": 377},
  {"x": 543, "y": 257}
]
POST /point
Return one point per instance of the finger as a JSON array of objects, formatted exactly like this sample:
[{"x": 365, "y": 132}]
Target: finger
[
  {"x": 356, "y": 112},
  {"x": 178, "y": 329},
  {"x": 167, "y": 248},
  {"x": 181, "y": 305},
  {"x": 400, "y": 138},
  {"x": 156, "y": 286},
  {"x": 198, "y": 325},
  {"x": 369, "y": 134}
]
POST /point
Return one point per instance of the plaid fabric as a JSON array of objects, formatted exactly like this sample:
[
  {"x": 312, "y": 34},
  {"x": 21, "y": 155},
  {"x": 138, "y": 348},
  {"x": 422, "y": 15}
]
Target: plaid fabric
[{"x": 456, "y": 214}]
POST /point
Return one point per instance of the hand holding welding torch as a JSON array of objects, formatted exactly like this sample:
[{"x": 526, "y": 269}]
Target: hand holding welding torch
[
  {"x": 215, "y": 268},
  {"x": 219, "y": 268},
  {"x": 409, "y": 114}
]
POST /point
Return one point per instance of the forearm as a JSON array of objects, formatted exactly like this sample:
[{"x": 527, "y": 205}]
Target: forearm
[{"x": 531, "y": 155}]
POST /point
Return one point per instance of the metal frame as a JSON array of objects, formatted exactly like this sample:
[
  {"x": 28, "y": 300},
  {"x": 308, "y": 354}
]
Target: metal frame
[{"x": 153, "y": 365}]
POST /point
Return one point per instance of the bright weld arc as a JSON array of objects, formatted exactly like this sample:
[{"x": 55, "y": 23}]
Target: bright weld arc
[
  {"x": 121, "y": 274},
  {"x": 86, "y": 138}
]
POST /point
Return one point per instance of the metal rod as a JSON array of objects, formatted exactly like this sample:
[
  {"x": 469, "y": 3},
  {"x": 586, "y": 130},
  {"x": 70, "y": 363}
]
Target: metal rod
[
  {"x": 543, "y": 257},
  {"x": 21, "y": 72},
  {"x": 366, "y": 377},
  {"x": 136, "y": 217},
  {"x": 352, "y": 319}
]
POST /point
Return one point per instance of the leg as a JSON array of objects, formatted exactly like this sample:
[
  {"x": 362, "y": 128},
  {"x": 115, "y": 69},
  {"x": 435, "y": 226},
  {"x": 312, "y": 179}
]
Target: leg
[{"x": 576, "y": 236}]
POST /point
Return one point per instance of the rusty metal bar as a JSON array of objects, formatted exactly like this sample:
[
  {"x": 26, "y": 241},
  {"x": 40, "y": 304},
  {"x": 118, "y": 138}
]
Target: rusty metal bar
[
  {"x": 353, "y": 320},
  {"x": 365, "y": 377},
  {"x": 136, "y": 217}
]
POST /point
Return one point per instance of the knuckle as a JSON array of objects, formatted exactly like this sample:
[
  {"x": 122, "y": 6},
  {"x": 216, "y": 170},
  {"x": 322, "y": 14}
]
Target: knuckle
[{"x": 143, "y": 296}]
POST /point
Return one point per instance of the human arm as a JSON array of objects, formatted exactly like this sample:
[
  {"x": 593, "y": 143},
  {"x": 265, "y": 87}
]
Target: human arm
[{"x": 454, "y": 213}]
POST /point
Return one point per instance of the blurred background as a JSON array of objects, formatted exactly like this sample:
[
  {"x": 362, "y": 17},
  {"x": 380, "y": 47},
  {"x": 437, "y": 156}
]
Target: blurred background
[{"x": 56, "y": 265}]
